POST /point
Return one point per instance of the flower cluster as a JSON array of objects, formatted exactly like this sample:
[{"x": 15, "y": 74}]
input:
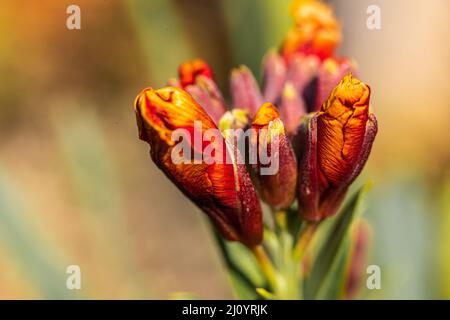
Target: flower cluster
[{"x": 309, "y": 98}]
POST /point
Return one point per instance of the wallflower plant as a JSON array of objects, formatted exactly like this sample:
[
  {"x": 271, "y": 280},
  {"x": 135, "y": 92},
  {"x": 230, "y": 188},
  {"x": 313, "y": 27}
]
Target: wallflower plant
[{"x": 286, "y": 234}]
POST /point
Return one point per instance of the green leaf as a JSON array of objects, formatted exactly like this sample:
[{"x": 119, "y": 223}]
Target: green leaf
[
  {"x": 243, "y": 269},
  {"x": 242, "y": 288},
  {"x": 34, "y": 256},
  {"x": 327, "y": 259},
  {"x": 333, "y": 284}
]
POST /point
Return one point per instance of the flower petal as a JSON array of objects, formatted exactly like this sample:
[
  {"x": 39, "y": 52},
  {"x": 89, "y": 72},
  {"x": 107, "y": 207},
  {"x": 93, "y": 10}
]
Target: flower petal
[
  {"x": 189, "y": 70},
  {"x": 274, "y": 76},
  {"x": 245, "y": 91},
  {"x": 302, "y": 70},
  {"x": 221, "y": 190},
  {"x": 206, "y": 93},
  {"x": 279, "y": 187},
  {"x": 334, "y": 146},
  {"x": 292, "y": 108},
  {"x": 341, "y": 130},
  {"x": 330, "y": 73}
]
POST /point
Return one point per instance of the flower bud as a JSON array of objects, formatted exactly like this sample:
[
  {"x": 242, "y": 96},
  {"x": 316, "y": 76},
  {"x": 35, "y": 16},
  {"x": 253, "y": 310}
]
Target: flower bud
[
  {"x": 292, "y": 108},
  {"x": 302, "y": 70},
  {"x": 277, "y": 188},
  {"x": 316, "y": 30},
  {"x": 223, "y": 190},
  {"x": 337, "y": 143},
  {"x": 189, "y": 70},
  {"x": 206, "y": 93},
  {"x": 274, "y": 76},
  {"x": 245, "y": 91},
  {"x": 330, "y": 73}
]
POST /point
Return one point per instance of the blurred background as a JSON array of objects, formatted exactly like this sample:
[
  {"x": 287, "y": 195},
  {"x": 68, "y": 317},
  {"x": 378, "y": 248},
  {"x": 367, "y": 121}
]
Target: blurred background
[{"x": 78, "y": 187}]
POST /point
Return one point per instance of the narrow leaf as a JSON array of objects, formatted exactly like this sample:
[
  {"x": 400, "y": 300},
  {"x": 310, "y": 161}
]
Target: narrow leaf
[
  {"x": 243, "y": 270},
  {"x": 332, "y": 245}
]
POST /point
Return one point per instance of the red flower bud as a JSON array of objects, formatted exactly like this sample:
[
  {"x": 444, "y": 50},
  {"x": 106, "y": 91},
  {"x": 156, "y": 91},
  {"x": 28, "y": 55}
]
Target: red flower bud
[
  {"x": 337, "y": 143},
  {"x": 189, "y": 70},
  {"x": 278, "y": 187},
  {"x": 222, "y": 190}
]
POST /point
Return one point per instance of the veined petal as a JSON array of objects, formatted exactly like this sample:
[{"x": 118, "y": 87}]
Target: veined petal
[
  {"x": 278, "y": 188},
  {"x": 341, "y": 130},
  {"x": 221, "y": 190},
  {"x": 334, "y": 146}
]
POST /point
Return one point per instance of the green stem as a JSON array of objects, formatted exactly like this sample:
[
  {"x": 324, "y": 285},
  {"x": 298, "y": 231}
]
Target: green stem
[
  {"x": 265, "y": 264},
  {"x": 304, "y": 240}
]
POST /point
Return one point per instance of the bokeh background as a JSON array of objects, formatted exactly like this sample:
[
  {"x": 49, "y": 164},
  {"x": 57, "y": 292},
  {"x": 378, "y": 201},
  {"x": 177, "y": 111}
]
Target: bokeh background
[{"x": 78, "y": 187}]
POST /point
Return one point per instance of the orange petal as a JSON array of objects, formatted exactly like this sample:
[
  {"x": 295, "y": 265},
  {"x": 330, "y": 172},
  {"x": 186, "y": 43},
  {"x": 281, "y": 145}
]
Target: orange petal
[
  {"x": 276, "y": 189},
  {"x": 189, "y": 70},
  {"x": 267, "y": 113},
  {"x": 316, "y": 30},
  {"x": 341, "y": 130},
  {"x": 221, "y": 190}
]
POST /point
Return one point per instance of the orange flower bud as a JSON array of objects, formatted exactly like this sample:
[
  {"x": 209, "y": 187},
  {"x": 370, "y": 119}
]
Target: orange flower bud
[
  {"x": 316, "y": 30},
  {"x": 276, "y": 189},
  {"x": 222, "y": 190},
  {"x": 189, "y": 70},
  {"x": 337, "y": 143}
]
